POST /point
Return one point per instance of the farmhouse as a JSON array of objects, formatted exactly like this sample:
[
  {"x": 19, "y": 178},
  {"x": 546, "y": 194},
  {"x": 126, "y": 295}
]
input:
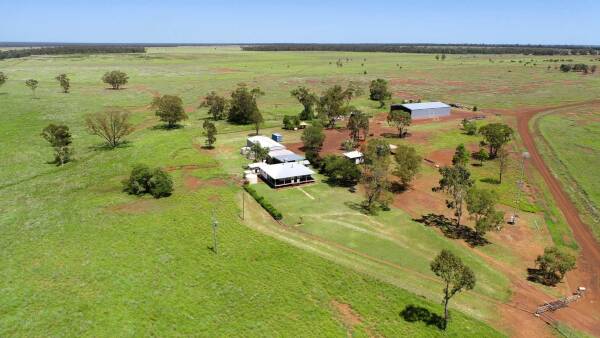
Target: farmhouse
[
  {"x": 355, "y": 156},
  {"x": 264, "y": 142},
  {"x": 425, "y": 110},
  {"x": 284, "y": 174}
]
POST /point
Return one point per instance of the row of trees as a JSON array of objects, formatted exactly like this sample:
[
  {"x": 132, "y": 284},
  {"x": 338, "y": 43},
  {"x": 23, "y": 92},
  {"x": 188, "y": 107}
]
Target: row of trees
[
  {"x": 79, "y": 49},
  {"x": 578, "y": 67},
  {"x": 115, "y": 78},
  {"x": 240, "y": 108},
  {"x": 431, "y": 48}
]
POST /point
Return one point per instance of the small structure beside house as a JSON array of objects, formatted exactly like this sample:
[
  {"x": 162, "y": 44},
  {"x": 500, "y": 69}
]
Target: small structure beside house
[
  {"x": 284, "y": 174},
  {"x": 424, "y": 110},
  {"x": 264, "y": 142},
  {"x": 277, "y": 137},
  {"x": 355, "y": 156}
]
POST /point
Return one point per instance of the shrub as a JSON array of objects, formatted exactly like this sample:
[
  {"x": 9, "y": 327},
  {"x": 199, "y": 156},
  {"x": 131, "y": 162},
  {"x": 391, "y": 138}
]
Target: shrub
[
  {"x": 263, "y": 203},
  {"x": 144, "y": 180}
]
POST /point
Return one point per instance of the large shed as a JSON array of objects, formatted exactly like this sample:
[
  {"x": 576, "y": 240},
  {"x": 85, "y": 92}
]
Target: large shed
[
  {"x": 424, "y": 110},
  {"x": 264, "y": 142}
]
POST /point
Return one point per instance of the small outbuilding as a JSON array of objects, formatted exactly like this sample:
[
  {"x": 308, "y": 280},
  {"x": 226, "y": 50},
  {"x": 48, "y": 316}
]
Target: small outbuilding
[
  {"x": 285, "y": 174},
  {"x": 264, "y": 142},
  {"x": 283, "y": 156},
  {"x": 277, "y": 137},
  {"x": 355, "y": 156},
  {"x": 424, "y": 110}
]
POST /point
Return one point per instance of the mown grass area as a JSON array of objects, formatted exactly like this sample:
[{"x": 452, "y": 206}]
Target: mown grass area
[
  {"x": 570, "y": 143},
  {"x": 82, "y": 258}
]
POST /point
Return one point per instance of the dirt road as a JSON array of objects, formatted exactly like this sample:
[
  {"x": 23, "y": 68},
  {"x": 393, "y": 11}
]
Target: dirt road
[{"x": 585, "y": 314}]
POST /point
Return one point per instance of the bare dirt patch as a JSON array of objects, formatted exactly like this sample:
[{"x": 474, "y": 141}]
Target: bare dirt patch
[
  {"x": 194, "y": 183},
  {"x": 349, "y": 317}
]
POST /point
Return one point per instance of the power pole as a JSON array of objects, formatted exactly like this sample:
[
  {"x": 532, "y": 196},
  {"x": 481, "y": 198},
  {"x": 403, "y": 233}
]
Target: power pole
[{"x": 215, "y": 225}]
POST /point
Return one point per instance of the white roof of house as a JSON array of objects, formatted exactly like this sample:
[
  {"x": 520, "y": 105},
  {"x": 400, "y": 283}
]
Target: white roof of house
[
  {"x": 353, "y": 154},
  {"x": 265, "y": 142},
  {"x": 425, "y": 105},
  {"x": 285, "y": 170},
  {"x": 285, "y": 155}
]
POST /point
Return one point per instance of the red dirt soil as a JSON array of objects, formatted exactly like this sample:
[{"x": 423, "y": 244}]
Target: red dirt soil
[{"x": 584, "y": 314}]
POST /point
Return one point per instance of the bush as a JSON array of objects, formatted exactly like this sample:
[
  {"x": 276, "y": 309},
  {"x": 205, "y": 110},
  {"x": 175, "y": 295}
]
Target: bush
[
  {"x": 144, "y": 180},
  {"x": 263, "y": 203}
]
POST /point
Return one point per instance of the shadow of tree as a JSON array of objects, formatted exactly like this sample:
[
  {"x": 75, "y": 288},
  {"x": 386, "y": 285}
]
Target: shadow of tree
[
  {"x": 106, "y": 146},
  {"x": 357, "y": 207},
  {"x": 451, "y": 230},
  {"x": 490, "y": 180},
  {"x": 413, "y": 313},
  {"x": 539, "y": 276},
  {"x": 396, "y": 135},
  {"x": 398, "y": 188},
  {"x": 164, "y": 126}
]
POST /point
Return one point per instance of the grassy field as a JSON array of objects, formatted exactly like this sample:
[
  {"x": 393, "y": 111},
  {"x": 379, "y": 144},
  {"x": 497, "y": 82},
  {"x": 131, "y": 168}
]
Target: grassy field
[
  {"x": 83, "y": 258},
  {"x": 570, "y": 143}
]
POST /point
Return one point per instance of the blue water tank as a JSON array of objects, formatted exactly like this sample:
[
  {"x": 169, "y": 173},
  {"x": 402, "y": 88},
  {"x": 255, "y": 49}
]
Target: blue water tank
[{"x": 277, "y": 137}]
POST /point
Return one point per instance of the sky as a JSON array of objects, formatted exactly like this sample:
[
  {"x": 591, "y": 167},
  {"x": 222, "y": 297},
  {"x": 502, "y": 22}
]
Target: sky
[{"x": 322, "y": 21}]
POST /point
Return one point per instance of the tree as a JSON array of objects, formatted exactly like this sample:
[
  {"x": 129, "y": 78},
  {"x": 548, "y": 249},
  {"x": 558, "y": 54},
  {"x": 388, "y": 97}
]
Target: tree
[
  {"x": 461, "y": 156},
  {"x": 291, "y": 122},
  {"x": 554, "y": 264},
  {"x": 170, "y": 109},
  {"x": 379, "y": 91},
  {"x": 313, "y": 138},
  {"x": 257, "y": 120},
  {"x": 64, "y": 82},
  {"x": 456, "y": 182},
  {"x": 333, "y": 103},
  {"x": 258, "y": 152},
  {"x": 408, "y": 164},
  {"x": 358, "y": 121},
  {"x": 456, "y": 276},
  {"x": 503, "y": 158},
  {"x": 469, "y": 127},
  {"x": 210, "y": 131},
  {"x": 111, "y": 125},
  {"x": 3, "y": 78},
  {"x": 243, "y": 108},
  {"x": 144, "y": 180},
  {"x": 481, "y": 204},
  {"x": 481, "y": 155},
  {"x": 216, "y": 105},
  {"x": 307, "y": 99},
  {"x": 496, "y": 135},
  {"x": 115, "y": 78},
  {"x": 340, "y": 170},
  {"x": 59, "y": 138},
  {"x": 32, "y": 84},
  {"x": 375, "y": 175},
  {"x": 400, "y": 119}
]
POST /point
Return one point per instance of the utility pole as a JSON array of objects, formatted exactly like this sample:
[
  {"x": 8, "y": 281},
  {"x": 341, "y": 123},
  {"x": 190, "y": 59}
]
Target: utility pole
[{"x": 215, "y": 225}]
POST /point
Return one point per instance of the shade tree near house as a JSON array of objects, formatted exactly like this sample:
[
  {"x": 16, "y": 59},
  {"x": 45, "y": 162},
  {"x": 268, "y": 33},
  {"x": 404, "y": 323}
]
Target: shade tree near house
[
  {"x": 169, "y": 108},
  {"x": 408, "y": 164},
  {"x": 401, "y": 120},
  {"x": 291, "y": 122},
  {"x": 312, "y": 139},
  {"x": 259, "y": 153},
  {"x": 116, "y": 79},
  {"x": 307, "y": 99},
  {"x": 216, "y": 104},
  {"x": 378, "y": 91},
  {"x": 340, "y": 170},
  {"x": 481, "y": 155},
  {"x": 375, "y": 172},
  {"x": 243, "y": 107},
  {"x": 455, "y": 275},
  {"x": 64, "y": 82},
  {"x": 60, "y": 140},
  {"x": 358, "y": 122},
  {"x": 210, "y": 131},
  {"x": 333, "y": 103},
  {"x": 112, "y": 126}
]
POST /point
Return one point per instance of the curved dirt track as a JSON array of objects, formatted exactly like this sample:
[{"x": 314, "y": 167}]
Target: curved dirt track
[{"x": 585, "y": 314}]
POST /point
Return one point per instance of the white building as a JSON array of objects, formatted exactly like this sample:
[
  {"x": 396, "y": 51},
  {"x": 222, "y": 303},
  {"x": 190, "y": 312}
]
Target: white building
[
  {"x": 264, "y": 142},
  {"x": 283, "y": 174},
  {"x": 355, "y": 156},
  {"x": 424, "y": 110}
]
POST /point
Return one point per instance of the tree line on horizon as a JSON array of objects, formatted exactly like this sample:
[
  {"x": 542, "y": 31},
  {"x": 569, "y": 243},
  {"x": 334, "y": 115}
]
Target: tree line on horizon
[
  {"x": 431, "y": 48},
  {"x": 79, "y": 49}
]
